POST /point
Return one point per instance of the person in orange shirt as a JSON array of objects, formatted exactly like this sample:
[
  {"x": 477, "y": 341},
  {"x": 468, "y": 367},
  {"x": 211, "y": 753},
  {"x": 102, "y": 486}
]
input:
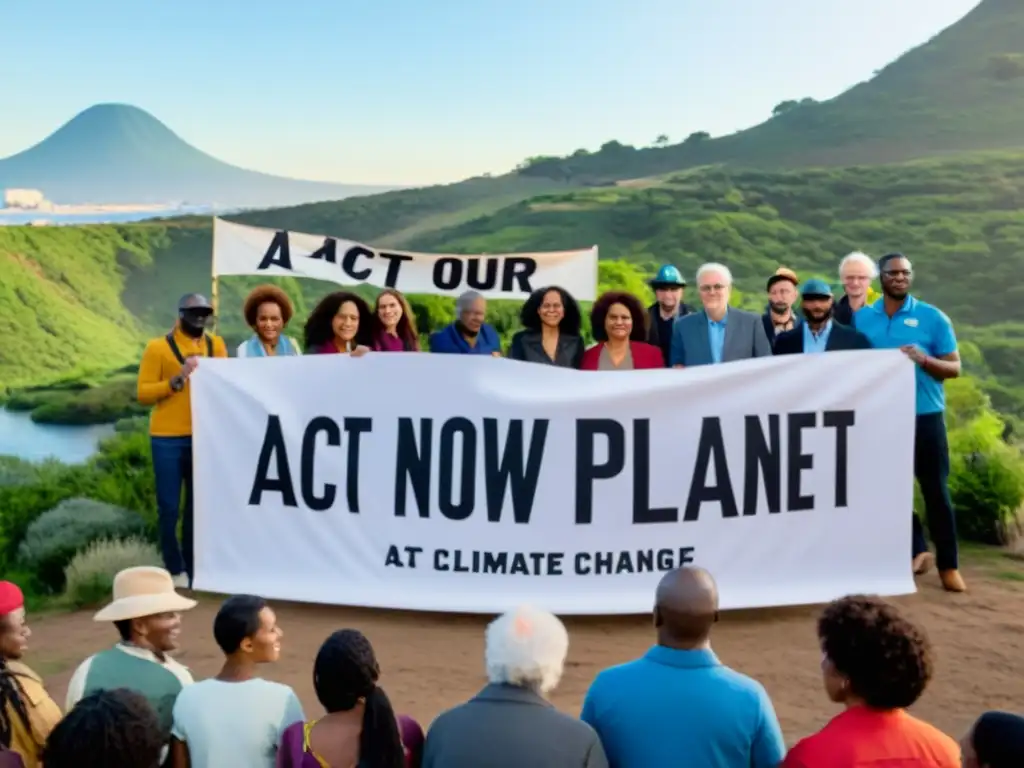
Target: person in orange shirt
[
  {"x": 167, "y": 364},
  {"x": 876, "y": 664}
]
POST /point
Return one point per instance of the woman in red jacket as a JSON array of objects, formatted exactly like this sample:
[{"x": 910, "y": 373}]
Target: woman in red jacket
[{"x": 619, "y": 324}]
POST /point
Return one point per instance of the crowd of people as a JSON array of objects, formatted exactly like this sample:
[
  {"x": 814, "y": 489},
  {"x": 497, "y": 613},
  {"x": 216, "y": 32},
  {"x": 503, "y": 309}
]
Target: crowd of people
[
  {"x": 134, "y": 706},
  {"x": 628, "y": 337}
]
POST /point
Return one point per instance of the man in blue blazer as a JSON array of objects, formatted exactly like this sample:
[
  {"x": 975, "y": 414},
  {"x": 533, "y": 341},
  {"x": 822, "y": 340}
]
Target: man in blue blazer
[
  {"x": 820, "y": 332},
  {"x": 718, "y": 333}
]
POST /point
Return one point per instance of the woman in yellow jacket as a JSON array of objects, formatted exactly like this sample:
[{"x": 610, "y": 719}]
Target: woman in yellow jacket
[{"x": 27, "y": 713}]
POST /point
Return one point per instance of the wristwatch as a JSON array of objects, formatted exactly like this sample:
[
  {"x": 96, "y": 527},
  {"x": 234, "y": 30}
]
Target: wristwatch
[{"x": 178, "y": 383}]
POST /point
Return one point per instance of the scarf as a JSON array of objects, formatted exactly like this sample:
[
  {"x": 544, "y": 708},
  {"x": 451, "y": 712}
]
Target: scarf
[{"x": 254, "y": 347}]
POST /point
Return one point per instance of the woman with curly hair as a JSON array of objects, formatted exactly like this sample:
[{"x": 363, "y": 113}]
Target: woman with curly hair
[
  {"x": 394, "y": 324},
  {"x": 27, "y": 713},
  {"x": 551, "y": 330},
  {"x": 111, "y": 728},
  {"x": 619, "y": 323},
  {"x": 267, "y": 310},
  {"x": 876, "y": 664},
  {"x": 341, "y": 323}
]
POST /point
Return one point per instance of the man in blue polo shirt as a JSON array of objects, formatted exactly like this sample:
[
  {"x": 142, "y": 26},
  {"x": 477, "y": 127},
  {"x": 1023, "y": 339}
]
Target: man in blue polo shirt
[
  {"x": 678, "y": 704},
  {"x": 926, "y": 336}
]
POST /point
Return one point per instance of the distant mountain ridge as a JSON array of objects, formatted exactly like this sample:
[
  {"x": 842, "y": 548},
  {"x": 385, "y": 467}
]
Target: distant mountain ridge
[{"x": 117, "y": 153}]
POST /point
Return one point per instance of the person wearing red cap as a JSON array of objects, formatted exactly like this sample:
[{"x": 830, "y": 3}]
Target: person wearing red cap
[{"x": 27, "y": 713}]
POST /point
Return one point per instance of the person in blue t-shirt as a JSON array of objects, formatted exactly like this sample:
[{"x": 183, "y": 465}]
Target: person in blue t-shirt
[
  {"x": 925, "y": 334},
  {"x": 469, "y": 334}
]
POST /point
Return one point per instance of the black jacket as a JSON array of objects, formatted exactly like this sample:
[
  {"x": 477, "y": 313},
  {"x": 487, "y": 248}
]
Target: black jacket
[
  {"x": 653, "y": 337},
  {"x": 527, "y": 346},
  {"x": 840, "y": 338},
  {"x": 769, "y": 326}
]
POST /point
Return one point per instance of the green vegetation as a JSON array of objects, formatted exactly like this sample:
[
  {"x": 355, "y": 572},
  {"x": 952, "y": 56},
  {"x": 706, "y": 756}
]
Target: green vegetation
[
  {"x": 961, "y": 90},
  {"x": 89, "y": 577}
]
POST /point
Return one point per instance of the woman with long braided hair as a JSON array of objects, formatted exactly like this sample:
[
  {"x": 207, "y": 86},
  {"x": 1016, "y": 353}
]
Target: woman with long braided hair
[
  {"x": 360, "y": 729},
  {"x": 27, "y": 713}
]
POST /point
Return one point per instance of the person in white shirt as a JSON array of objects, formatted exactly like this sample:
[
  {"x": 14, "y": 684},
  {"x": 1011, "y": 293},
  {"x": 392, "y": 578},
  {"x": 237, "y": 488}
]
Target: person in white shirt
[{"x": 236, "y": 718}]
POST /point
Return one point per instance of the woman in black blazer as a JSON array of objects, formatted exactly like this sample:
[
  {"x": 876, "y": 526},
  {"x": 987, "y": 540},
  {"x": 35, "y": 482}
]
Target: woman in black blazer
[{"x": 551, "y": 330}]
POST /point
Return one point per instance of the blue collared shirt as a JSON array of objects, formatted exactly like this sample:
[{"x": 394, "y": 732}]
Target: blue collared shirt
[
  {"x": 674, "y": 707},
  {"x": 816, "y": 342},
  {"x": 918, "y": 323},
  {"x": 716, "y": 336}
]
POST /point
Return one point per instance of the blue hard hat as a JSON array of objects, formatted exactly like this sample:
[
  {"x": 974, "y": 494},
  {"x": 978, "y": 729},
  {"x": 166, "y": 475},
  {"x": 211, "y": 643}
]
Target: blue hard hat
[
  {"x": 815, "y": 287},
  {"x": 668, "y": 275}
]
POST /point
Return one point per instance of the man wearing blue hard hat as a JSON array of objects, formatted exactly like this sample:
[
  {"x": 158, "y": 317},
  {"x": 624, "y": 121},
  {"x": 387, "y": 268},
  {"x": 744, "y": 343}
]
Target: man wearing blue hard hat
[
  {"x": 819, "y": 332},
  {"x": 668, "y": 287}
]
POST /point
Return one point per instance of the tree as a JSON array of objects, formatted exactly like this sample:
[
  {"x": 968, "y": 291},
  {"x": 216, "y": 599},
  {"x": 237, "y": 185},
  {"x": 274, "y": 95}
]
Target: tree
[
  {"x": 696, "y": 137},
  {"x": 661, "y": 141}
]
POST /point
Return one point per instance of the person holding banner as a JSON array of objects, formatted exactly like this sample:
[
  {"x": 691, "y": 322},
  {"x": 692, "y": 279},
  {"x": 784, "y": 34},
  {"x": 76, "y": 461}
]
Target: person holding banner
[
  {"x": 341, "y": 323},
  {"x": 469, "y": 334},
  {"x": 267, "y": 310},
  {"x": 163, "y": 382},
  {"x": 551, "y": 330},
  {"x": 619, "y": 324},
  {"x": 394, "y": 327}
]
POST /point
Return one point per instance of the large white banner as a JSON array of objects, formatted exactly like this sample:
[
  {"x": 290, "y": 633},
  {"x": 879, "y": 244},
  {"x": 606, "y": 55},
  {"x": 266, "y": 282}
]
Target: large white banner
[
  {"x": 467, "y": 484},
  {"x": 242, "y": 250}
]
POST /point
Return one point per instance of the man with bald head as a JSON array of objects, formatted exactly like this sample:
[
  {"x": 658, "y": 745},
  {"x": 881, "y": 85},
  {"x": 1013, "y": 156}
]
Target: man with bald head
[
  {"x": 678, "y": 704},
  {"x": 163, "y": 383}
]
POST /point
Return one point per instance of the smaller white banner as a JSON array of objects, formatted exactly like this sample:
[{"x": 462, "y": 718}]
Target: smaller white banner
[{"x": 242, "y": 250}]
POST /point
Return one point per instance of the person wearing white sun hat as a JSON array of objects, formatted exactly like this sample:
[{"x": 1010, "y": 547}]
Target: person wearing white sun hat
[{"x": 146, "y": 610}]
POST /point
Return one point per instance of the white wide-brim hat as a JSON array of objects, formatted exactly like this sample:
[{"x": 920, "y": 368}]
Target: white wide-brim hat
[{"x": 143, "y": 591}]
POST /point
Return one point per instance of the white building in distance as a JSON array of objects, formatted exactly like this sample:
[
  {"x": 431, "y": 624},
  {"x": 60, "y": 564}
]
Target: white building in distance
[{"x": 25, "y": 199}]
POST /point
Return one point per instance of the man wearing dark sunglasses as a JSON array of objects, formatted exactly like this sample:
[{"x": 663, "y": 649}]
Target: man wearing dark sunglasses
[
  {"x": 163, "y": 382},
  {"x": 925, "y": 335}
]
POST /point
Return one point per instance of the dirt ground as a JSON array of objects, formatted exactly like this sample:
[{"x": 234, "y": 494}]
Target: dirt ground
[{"x": 433, "y": 661}]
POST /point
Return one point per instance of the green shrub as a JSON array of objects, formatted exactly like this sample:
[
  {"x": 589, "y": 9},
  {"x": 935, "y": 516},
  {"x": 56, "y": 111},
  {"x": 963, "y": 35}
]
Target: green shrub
[
  {"x": 53, "y": 539},
  {"x": 89, "y": 577},
  {"x": 986, "y": 481}
]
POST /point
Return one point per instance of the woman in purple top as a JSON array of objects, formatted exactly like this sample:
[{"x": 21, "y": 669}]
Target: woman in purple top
[
  {"x": 360, "y": 727},
  {"x": 394, "y": 327},
  {"x": 341, "y": 323}
]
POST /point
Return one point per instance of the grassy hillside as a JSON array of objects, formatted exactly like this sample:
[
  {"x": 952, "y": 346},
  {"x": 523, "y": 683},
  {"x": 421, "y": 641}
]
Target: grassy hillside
[{"x": 961, "y": 90}]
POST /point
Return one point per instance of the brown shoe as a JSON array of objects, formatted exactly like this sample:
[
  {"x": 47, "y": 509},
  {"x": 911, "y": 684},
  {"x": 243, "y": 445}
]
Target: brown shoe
[
  {"x": 952, "y": 581},
  {"x": 923, "y": 563}
]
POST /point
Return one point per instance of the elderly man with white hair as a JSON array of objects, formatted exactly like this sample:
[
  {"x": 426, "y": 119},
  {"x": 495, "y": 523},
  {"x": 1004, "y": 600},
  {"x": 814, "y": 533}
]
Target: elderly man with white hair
[
  {"x": 718, "y": 333},
  {"x": 469, "y": 334},
  {"x": 510, "y": 723},
  {"x": 856, "y": 271}
]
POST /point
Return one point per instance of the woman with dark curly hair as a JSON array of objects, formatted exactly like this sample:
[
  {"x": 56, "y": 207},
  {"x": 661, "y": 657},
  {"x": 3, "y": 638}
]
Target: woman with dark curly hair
[
  {"x": 115, "y": 729},
  {"x": 267, "y": 310},
  {"x": 619, "y": 323},
  {"x": 394, "y": 324},
  {"x": 876, "y": 664},
  {"x": 342, "y": 323},
  {"x": 551, "y": 330}
]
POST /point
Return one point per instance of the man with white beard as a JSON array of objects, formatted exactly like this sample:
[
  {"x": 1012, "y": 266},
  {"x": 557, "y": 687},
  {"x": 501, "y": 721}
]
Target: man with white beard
[{"x": 856, "y": 271}]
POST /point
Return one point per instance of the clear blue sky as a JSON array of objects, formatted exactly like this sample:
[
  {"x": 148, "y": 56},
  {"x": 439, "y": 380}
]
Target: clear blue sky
[{"x": 423, "y": 91}]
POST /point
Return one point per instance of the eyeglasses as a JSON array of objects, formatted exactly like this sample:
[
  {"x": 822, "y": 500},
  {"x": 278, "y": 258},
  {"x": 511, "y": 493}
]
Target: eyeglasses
[
  {"x": 712, "y": 288},
  {"x": 897, "y": 272}
]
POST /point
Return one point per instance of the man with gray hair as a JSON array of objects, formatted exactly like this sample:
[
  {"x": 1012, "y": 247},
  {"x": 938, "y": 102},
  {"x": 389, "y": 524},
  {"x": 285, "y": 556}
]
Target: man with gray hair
[
  {"x": 718, "y": 333},
  {"x": 469, "y": 334},
  {"x": 510, "y": 723},
  {"x": 856, "y": 271}
]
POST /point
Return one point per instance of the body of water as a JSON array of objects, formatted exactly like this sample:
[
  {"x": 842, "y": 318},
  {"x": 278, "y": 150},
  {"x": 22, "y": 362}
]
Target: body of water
[{"x": 22, "y": 437}]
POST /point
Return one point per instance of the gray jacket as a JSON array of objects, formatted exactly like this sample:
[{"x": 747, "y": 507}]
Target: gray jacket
[
  {"x": 505, "y": 726},
  {"x": 744, "y": 338}
]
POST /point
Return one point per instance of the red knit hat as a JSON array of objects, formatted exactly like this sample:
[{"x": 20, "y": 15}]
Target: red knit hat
[{"x": 11, "y": 598}]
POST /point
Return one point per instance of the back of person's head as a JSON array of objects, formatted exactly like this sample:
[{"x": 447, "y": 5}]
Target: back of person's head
[
  {"x": 237, "y": 619},
  {"x": 997, "y": 740},
  {"x": 112, "y": 729},
  {"x": 527, "y": 648},
  {"x": 346, "y": 672}
]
